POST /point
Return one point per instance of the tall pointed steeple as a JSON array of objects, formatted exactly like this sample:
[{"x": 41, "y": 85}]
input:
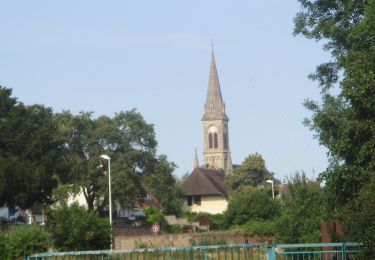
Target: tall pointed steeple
[
  {"x": 215, "y": 125},
  {"x": 214, "y": 107}
]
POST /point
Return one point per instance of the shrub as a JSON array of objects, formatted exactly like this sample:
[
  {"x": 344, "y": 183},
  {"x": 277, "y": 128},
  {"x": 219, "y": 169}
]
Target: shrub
[
  {"x": 256, "y": 205},
  {"x": 75, "y": 228},
  {"x": 24, "y": 239},
  {"x": 261, "y": 228},
  {"x": 153, "y": 215},
  {"x": 175, "y": 229}
]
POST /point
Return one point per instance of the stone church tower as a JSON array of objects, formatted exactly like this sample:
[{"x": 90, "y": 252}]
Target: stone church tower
[{"x": 215, "y": 126}]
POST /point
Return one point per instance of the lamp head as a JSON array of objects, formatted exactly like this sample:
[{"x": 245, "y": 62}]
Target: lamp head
[
  {"x": 269, "y": 181},
  {"x": 106, "y": 157}
]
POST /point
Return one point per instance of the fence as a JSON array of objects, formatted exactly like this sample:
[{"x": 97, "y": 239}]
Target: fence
[{"x": 328, "y": 251}]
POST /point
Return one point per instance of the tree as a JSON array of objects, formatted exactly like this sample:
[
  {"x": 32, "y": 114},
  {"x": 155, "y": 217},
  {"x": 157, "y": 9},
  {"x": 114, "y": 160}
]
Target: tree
[
  {"x": 161, "y": 184},
  {"x": 30, "y": 152},
  {"x": 75, "y": 228},
  {"x": 344, "y": 123},
  {"x": 255, "y": 205},
  {"x": 302, "y": 211},
  {"x": 252, "y": 172},
  {"x": 130, "y": 143}
]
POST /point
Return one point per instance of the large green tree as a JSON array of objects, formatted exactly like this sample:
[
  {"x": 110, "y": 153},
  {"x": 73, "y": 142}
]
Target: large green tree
[
  {"x": 130, "y": 143},
  {"x": 344, "y": 122},
  {"x": 250, "y": 173},
  {"x": 30, "y": 152}
]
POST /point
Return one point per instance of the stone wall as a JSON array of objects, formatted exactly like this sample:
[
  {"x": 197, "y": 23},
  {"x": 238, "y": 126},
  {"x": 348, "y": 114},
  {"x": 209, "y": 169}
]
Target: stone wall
[{"x": 187, "y": 239}]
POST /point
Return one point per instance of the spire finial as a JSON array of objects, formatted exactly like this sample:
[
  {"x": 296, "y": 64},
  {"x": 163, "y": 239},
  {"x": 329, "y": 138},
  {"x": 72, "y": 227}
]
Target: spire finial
[
  {"x": 196, "y": 162},
  {"x": 212, "y": 45}
]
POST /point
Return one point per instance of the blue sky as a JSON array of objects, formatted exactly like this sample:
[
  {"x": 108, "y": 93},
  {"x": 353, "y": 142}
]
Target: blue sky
[{"x": 108, "y": 56}]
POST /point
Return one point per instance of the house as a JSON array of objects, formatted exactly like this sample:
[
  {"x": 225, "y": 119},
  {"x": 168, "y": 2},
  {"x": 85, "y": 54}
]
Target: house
[{"x": 205, "y": 191}]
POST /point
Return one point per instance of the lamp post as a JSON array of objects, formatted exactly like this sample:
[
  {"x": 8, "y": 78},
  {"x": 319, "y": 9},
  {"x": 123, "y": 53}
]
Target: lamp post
[
  {"x": 106, "y": 157},
  {"x": 273, "y": 192}
]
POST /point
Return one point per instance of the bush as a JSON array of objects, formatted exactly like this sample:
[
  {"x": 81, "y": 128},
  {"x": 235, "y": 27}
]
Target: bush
[
  {"x": 245, "y": 206},
  {"x": 359, "y": 224},
  {"x": 261, "y": 228},
  {"x": 175, "y": 229},
  {"x": 153, "y": 215},
  {"x": 75, "y": 228},
  {"x": 217, "y": 219},
  {"x": 302, "y": 212},
  {"x": 24, "y": 239}
]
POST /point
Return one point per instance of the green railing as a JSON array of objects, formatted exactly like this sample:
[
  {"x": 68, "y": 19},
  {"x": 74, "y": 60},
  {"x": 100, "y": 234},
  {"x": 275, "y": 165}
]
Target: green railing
[{"x": 328, "y": 251}]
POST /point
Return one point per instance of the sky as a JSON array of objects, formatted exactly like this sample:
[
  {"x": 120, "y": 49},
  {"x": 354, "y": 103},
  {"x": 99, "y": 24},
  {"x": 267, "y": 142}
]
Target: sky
[{"x": 112, "y": 56}]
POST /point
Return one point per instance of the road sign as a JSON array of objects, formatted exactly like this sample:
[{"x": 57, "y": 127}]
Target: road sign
[{"x": 155, "y": 229}]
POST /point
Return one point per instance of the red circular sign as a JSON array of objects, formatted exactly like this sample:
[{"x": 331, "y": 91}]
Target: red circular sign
[{"x": 155, "y": 229}]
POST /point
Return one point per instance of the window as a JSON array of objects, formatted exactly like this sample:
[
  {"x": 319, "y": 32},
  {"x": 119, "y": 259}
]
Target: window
[
  {"x": 210, "y": 140},
  {"x": 215, "y": 141},
  {"x": 189, "y": 201},
  {"x": 225, "y": 141},
  {"x": 197, "y": 200}
]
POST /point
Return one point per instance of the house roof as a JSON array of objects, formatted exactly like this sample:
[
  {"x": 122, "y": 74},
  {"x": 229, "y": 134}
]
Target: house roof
[{"x": 204, "y": 181}]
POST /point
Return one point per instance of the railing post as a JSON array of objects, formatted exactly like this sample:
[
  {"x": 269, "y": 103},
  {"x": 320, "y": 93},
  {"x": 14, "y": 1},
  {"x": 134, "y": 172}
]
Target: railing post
[
  {"x": 343, "y": 251},
  {"x": 191, "y": 253},
  {"x": 271, "y": 252},
  {"x": 25, "y": 256}
]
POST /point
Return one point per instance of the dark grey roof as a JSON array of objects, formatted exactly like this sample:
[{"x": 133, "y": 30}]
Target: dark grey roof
[{"x": 204, "y": 181}]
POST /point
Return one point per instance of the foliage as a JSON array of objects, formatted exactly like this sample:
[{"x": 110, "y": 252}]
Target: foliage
[
  {"x": 161, "y": 183},
  {"x": 30, "y": 152},
  {"x": 174, "y": 229},
  {"x": 344, "y": 123},
  {"x": 219, "y": 220},
  {"x": 359, "y": 216},
  {"x": 255, "y": 205},
  {"x": 302, "y": 211},
  {"x": 252, "y": 172},
  {"x": 130, "y": 143},
  {"x": 75, "y": 228},
  {"x": 23, "y": 239},
  {"x": 153, "y": 215},
  {"x": 261, "y": 228},
  {"x": 63, "y": 192}
]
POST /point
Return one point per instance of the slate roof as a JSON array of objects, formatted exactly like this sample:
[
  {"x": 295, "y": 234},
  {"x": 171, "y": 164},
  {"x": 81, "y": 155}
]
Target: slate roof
[{"x": 204, "y": 181}]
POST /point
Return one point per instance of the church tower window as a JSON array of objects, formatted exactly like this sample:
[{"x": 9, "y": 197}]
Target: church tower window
[
  {"x": 215, "y": 141},
  {"x": 210, "y": 141}
]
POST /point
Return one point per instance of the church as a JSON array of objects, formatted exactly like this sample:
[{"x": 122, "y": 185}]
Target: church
[{"x": 204, "y": 189}]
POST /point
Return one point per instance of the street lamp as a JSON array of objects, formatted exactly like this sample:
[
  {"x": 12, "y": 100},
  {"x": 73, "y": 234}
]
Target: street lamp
[
  {"x": 273, "y": 193},
  {"x": 106, "y": 157}
]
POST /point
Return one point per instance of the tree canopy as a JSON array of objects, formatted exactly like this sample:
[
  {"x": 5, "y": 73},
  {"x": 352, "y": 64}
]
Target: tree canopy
[
  {"x": 130, "y": 143},
  {"x": 30, "y": 152},
  {"x": 250, "y": 173}
]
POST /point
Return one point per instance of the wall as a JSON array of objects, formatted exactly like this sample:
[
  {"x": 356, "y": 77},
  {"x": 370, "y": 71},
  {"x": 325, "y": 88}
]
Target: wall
[
  {"x": 209, "y": 204},
  {"x": 187, "y": 239}
]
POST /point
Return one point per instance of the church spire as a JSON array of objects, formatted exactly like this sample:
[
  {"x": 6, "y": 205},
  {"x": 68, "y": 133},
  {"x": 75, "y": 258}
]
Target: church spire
[
  {"x": 214, "y": 107},
  {"x": 196, "y": 162}
]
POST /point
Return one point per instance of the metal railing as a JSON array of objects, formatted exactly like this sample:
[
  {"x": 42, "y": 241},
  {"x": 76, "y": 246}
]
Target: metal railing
[{"x": 327, "y": 251}]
